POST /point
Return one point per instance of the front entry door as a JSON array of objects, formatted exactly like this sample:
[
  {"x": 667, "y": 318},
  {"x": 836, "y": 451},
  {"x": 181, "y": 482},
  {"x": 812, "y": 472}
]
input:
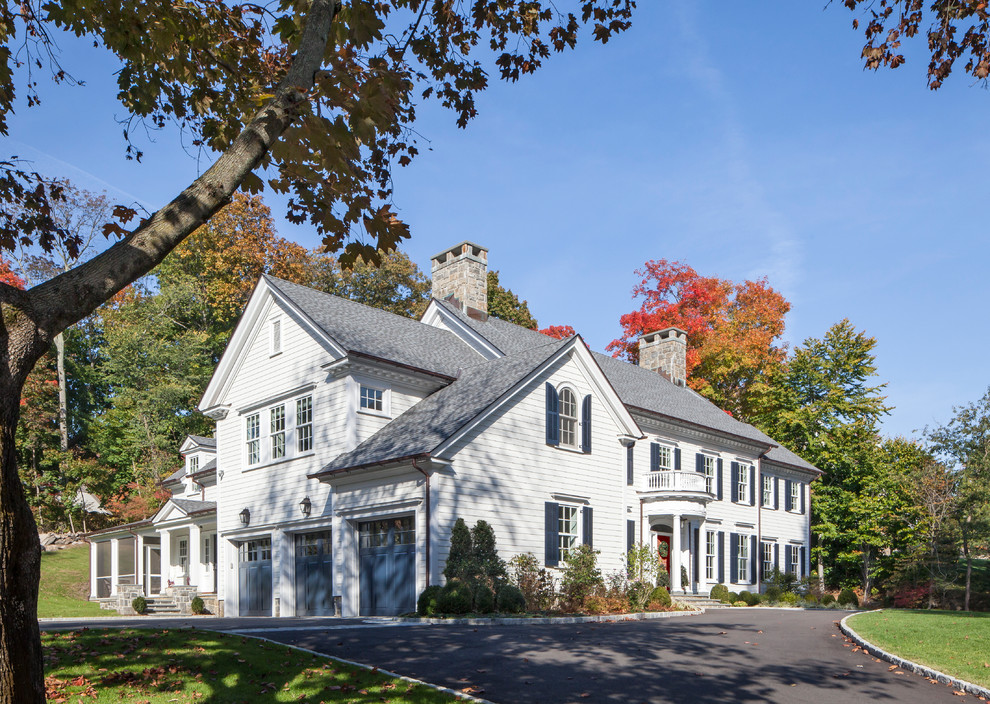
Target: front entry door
[
  {"x": 663, "y": 550},
  {"x": 314, "y": 574},
  {"x": 388, "y": 566}
]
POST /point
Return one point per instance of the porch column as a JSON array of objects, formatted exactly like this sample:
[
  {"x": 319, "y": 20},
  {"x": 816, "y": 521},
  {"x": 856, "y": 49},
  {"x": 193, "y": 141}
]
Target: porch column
[
  {"x": 114, "y": 566},
  {"x": 139, "y": 560},
  {"x": 195, "y": 545},
  {"x": 675, "y": 553},
  {"x": 92, "y": 570},
  {"x": 166, "y": 557}
]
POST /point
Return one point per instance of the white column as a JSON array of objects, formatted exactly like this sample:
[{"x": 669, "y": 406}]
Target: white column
[
  {"x": 195, "y": 551},
  {"x": 92, "y": 570},
  {"x": 675, "y": 553},
  {"x": 139, "y": 561},
  {"x": 114, "y": 566},
  {"x": 166, "y": 557}
]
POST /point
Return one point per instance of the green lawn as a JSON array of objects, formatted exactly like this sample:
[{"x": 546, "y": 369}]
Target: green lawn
[
  {"x": 954, "y": 642},
  {"x": 65, "y": 585},
  {"x": 158, "y": 667}
]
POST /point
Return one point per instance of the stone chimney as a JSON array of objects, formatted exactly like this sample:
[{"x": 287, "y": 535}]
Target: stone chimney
[
  {"x": 461, "y": 273},
  {"x": 665, "y": 351}
]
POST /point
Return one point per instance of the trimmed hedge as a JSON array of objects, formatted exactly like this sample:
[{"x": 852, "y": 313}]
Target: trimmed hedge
[
  {"x": 455, "y": 598},
  {"x": 847, "y": 597},
  {"x": 484, "y": 599},
  {"x": 510, "y": 599},
  {"x": 139, "y": 604},
  {"x": 426, "y": 605},
  {"x": 721, "y": 593},
  {"x": 661, "y": 596},
  {"x": 197, "y": 606}
]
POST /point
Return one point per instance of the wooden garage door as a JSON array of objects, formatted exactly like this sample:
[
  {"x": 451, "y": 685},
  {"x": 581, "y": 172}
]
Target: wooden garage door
[
  {"x": 388, "y": 566},
  {"x": 314, "y": 574},
  {"x": 254, "y": 572}
]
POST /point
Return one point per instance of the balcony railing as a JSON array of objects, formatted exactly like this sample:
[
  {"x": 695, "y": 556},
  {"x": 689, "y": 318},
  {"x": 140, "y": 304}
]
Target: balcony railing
[{"x": 673, "y": 482}]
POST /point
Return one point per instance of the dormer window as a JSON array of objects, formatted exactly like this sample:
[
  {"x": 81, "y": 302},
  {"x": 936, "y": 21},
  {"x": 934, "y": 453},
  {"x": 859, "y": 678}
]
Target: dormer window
[
  {"x": 193, "y": 464},
  {"x": 276, "y": 336}
]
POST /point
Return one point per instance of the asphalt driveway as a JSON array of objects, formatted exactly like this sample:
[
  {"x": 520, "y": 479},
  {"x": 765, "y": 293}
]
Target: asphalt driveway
[{"x": 726, "y": 655}]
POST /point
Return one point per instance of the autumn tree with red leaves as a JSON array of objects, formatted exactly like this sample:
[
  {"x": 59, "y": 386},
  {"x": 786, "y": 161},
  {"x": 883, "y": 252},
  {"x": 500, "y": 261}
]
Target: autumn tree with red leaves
[
  {"x": 734, "y": 331},
  {"x": 558, "y": 331}
]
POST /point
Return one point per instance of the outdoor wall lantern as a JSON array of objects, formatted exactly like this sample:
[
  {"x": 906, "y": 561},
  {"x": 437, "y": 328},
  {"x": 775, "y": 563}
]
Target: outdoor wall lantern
[
  {"x": 245, "y": 517},
  {"x": 306, "y": 506}
]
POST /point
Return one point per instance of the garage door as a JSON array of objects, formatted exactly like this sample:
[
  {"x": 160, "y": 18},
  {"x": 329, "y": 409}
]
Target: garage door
[
  {"x": 254, "y": 572},
  {"x": 314, "y": 575},
  {"x": 388, "y": 566}
]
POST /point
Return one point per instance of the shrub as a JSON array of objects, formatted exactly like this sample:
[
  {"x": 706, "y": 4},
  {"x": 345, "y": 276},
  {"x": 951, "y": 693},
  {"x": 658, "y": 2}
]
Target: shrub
[
  {"x": 534, "y": 582},
  {"x": 455, "y": 598},
  {"x": 789, "y": 598},
  {"x": 197, "y": 606},
  {"x": 139, "y": 604},
  {"x": 595, "y": 604},
  {"x": 426, "y": 605},
  {"x": 660, "y": 597},
  {"x": 663, "y": 577},
  {"x": 720, "y": 592},
  {"x": 911, "y": 597},
  {"x": 744, "y": 595},
  {"x": 847, "y": 597},
  {"x": 772, "y": 593},
  {"x": 460, "y": 558},
  {"x": 581, "y": 577},
  {"x": 751, "y": 599},
  {"x": 827, "y": 599},
  {"x": 488, "y": 566},
  {"x": 685, "y": 580},
  {"x": 638, "y": 595},
  {"x": 643, "y": 563},
  {"x": 740, "y": 603},
  {"x": 733, "y": 597},
  {"x": 510, "y": 599},
  {"x": 484, "y": 598}
]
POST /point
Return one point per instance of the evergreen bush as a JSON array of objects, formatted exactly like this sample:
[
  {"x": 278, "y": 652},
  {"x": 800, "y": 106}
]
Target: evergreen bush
[
  {"x": 455, "y": 598},
  {"x": 720, "y": 592},
  {"x": 484, "y": 598},
  {"x": 847, "y": 597},
  {"x": 461, "y": 556},
  {"x": 581, "y": 577},
  {"x": 733, "y": 597},
  {"x": 197, "y": 606},
  {"x": 827, "y": 599},
  {"x": 751, "y": 598},
  {"x": 789, "y": 598},
  {"x": 772, "y": 593},
  {"x": 660, "y": 597},
  {"x": 426, "y": 605},
  {"x": 488, "y": 566},
  {"x": 510, "y": 599},
  {"x": 139, "y": 604}
]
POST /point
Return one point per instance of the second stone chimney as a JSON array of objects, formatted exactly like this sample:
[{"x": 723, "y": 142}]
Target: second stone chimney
[
  {"x": 665, "y": 351},
  {"x": 461, "y": 273}
]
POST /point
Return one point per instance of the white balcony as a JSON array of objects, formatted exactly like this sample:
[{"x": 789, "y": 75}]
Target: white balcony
[{"x": 674, "y": 485}]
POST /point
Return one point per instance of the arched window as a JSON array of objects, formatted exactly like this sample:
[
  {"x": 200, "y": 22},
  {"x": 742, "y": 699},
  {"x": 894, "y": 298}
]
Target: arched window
[{"x": 568, "y": 418}]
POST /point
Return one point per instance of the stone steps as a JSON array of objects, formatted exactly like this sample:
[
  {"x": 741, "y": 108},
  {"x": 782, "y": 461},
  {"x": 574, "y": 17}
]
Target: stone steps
[
  {"x": 700, "y": 602},
  {"x": 162, "y": 605}
]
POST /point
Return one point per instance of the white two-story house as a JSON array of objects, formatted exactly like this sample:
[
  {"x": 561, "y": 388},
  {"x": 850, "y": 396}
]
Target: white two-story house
[{"x": 348, "y": 441}]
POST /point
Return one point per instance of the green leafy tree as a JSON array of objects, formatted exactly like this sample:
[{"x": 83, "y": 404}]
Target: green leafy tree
[
  {"x": 394, "y": 283},
  {"x": 504, "y": 304},
  {"x": 317, "y": 98},
  {"x": 490, "y": 568}
]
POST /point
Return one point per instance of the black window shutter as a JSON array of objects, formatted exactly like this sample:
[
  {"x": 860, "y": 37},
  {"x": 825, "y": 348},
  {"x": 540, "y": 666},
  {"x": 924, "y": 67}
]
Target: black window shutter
[
  {"x": 654, "y": 457},
  {"x": 734, "y": 476},
  {"x": 629, "y": 464},
  {"x": 753, "y": 558},
  {"x": 719, "y": 480},
  {"x": 776, "y": 556},
  {"x": 752, "y": 485},
  {"x": 697, "y": 556},
  {"x": 699, "y": 463},
  {"x": 721, "y": 557},
  {"x": 552, "y": 544},
  {"x": 630, "y": 535},
  {"x": 788, "y": 557},
  {"x": 803, "y": 555},
  {"x": 586, "y": 424},
  {"x": 588, "y": 526},
  {"x": 553, "y": 417},
  {"x": 677, "y": 458},
  {"x": 733, "y": 558},
  {"x": 801, "y": 507},
  {"x": 787, "y": 495},
  {"x": 776, "y": 493}
]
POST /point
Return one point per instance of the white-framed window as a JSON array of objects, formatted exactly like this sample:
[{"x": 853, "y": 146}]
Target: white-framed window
[
  {"x": 767, "y": 490},
  {"x": 665, "y": 458},
  {"x": 183, "y": 553},
  {"x": 710, "y": 464},
  {"x": 253, "y": 433},
  {"x": 568, "y": 529},
  {"x": 796, "y": 497},
  {"x": 767, "y": 557},
  {"x": 304, "y": 424},
  {"x": 711, "y": 554},
  {"x": 194, "y": 464},
  {"x": 794, "y": 560},
  {"x": 742, "y": 559},
  {"x": 742, "y": 490},
  {"x": 277, "y": 415},
  {"x": 568, "y": 418},
  {"x": 275, "y": 329},
  {"x": 207, "y": 546},
  {"x": 371, "y": 399}
]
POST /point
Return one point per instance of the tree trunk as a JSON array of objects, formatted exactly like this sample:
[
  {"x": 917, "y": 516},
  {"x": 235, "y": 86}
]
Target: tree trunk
[
  {"x": 969, "y": 566},
  {"x": 63, "y": 406},
  {"x": 22, "y": 677}
]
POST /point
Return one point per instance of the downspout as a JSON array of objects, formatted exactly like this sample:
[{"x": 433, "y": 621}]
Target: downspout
[{"x": 429, "y": 533}]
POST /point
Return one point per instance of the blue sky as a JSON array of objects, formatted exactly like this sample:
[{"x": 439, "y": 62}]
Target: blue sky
[{"x": 745, "y": 141}]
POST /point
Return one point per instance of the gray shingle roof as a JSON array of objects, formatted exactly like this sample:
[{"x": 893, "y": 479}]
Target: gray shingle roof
[
  {"x": 507, "y": 337},
  {"x": 210, "y": 466},
  {"x": 436, "y": 418},
  {"x": 204, "y": 441},
  {"x": 190, "y": 506},
  {"x": 363, "y": 329},
  {"x": 782, "y": 455},
  {"x": 176, "y": 475}
]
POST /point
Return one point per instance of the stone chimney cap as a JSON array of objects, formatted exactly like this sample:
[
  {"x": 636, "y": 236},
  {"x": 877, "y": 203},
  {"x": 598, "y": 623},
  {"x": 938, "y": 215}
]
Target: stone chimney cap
[
  {"x": 475, "y": 251},
  {"x": 664, "y": 333}
]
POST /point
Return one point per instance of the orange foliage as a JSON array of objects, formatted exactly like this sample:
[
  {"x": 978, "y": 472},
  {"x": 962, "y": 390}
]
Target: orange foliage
[
  {"x": 8, "y": 276},
  {"x": 558, "y": 331},
  {"x": 135, "y": 502}
]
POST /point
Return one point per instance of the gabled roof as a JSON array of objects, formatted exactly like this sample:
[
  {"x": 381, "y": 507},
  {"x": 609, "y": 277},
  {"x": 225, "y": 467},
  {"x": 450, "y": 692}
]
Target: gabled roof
[
  {"x": 203, "y": 441},
  {"x": 186, "y": 507},
  {"x": 507, "y": 337},
  {"x": 380, "y": 334},
  {"x": 427, "y": 424},
  {"x": 208, "y": 468},
  {"x": 175, "y": 476},
  {"x": 782, "y": 456}
]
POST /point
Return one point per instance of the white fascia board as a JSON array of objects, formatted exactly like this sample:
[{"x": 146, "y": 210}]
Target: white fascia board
[
  {"x": 165, "y": 513},
  {"x": 190, "y": 445},
  {"x": 264, "y": 296},
  {"x": 439, "y": 317},
  {"x": 579, "y": 352}
]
